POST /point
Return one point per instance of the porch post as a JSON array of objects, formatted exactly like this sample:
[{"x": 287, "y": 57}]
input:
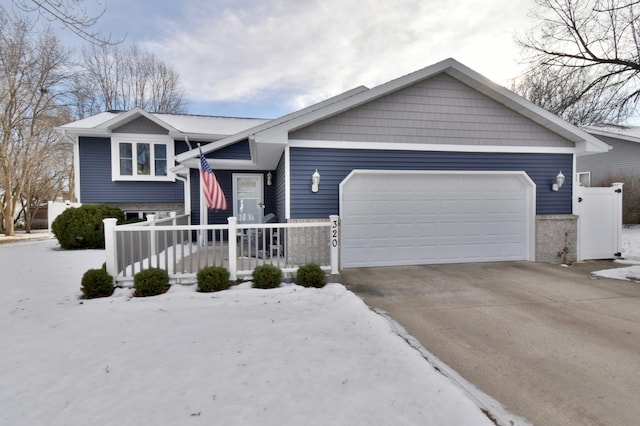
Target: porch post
[
  {"x": 335, "y": 243},
  {"x": 204, "y": 212},
  {"x": 151, "y": 218},
  {"x": 233, "y": 254},
  {"x": 110, "y": 246}
]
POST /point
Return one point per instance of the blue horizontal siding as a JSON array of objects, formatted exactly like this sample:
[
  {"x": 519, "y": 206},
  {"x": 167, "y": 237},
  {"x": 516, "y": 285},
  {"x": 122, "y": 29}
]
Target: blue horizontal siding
[
  {"x": 335, "y": 164},
  {"x": 96, "y": 185},
  {"x": 281, "y": 192},
  {"x": 237, "y": 151}
]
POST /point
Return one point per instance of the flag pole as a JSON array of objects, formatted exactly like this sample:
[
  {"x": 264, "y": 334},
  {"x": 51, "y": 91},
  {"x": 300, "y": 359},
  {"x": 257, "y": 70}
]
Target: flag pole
[{"x": 203, "y": 204}]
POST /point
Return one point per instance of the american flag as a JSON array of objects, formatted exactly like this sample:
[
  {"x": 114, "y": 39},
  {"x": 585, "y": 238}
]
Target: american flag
[{"x": 212, "y": 192}]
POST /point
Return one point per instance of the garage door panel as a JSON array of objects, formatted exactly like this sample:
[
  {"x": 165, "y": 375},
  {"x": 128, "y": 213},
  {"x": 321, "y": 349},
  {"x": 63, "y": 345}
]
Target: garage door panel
[{"x": 439, "y": 217}]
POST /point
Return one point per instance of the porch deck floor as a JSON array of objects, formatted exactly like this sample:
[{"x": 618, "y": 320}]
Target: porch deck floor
[{"x": 219, "y": 256}]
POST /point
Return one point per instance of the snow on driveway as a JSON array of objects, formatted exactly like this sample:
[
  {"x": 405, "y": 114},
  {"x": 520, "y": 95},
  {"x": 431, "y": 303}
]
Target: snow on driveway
[
  {"x": 289, "y": 356},
  {"x": 630, "y": 256}
]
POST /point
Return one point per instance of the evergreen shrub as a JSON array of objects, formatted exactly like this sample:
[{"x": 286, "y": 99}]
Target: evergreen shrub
[
  {"x": 213, "y": 278},
  {"x": 150, "y": 282},
  {"x": 310, "y": 275},
  {"x": 82, "y": 227},
  {"x": 97, "y": 283},
  {"x": 267, "y": 276}
]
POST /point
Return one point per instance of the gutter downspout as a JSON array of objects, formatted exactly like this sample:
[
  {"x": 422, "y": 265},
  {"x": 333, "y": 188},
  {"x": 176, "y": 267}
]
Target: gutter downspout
[
  {"x": 187, "y": 184},
  {"x": 187, "y": 194},
  {"x": 186, "y": 139}
]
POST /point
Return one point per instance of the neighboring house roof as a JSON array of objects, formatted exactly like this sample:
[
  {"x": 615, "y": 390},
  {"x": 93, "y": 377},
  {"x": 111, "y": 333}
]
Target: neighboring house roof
[
  {"x": 627, "y": 133},
  {"x": 177, "y": 125},
  {"x": 270, "y": 137}
]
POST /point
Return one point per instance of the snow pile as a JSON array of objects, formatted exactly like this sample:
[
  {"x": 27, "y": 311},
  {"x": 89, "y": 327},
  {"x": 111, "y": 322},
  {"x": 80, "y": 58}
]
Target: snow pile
[
  {"x": 289, "y": 356},
  {"x": 630, "y": 256}
]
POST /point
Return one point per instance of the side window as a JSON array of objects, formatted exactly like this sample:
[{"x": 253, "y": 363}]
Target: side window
[
  {"x": 126, "y": 159},
  {"x": 160, "y": 158},
  {"x": 144, "y": 159},
  {"x": 584, "y": 179}
]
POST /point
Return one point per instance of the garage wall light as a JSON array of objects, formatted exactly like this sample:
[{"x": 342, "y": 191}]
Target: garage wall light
[
  {"x": 269, "y": 177},
  {"x": 559, "y": 182},
  {"x": 315, "y": 181}
]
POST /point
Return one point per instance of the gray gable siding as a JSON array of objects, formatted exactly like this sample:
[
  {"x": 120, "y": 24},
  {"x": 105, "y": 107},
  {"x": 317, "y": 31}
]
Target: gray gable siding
[
  {"x": 439, "y": 110},
  {"x": 623, "y": 159},
  {"x": 142, "y": 125},
  {"x": 96, "y": 185},
  {"x": 335, "y": 164}
]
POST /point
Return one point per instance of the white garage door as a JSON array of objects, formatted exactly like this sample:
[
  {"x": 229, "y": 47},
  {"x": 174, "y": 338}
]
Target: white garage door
[{"x": 410, "y": 217}]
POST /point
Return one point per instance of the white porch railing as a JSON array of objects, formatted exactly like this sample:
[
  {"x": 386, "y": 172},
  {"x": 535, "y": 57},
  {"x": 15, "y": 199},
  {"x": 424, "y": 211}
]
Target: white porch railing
[{"x": 182, "y": 249}]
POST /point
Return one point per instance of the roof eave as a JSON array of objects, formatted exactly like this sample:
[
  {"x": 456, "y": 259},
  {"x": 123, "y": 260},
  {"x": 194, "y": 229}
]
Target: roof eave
[
  {"x": 89, "y": 132},
  {"x": 131, "y": 115},
  {"x": 251, "y": 132},
  {"x": 207, "y": 137},
  {"x": 612, "y": 135}
]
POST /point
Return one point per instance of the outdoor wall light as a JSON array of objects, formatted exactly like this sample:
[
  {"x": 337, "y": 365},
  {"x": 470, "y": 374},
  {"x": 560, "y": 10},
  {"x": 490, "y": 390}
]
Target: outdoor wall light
[
  {"x": 269, "y": 177},
  {"x": 315, "y": 181},
  {"x": 559, "y": 182}
]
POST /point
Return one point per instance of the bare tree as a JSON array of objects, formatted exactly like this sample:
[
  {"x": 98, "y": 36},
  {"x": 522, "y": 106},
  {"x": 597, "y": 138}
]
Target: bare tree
[
  {"x": 50, "y": 169},
  {"x": 32, "y": 69},
  {"x": 589, "y": 52},
  {"x": 561, "y": 93},
  {"x": 72, "y": 14},
  {"x": 116, "y": 78}
]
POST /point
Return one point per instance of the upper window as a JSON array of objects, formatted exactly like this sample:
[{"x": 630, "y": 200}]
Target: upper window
[{"x": 141, "y": 157}]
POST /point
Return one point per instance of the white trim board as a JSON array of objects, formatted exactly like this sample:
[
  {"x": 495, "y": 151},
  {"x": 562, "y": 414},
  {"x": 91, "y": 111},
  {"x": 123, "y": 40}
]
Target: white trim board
[{"x": 300, "y": 143}]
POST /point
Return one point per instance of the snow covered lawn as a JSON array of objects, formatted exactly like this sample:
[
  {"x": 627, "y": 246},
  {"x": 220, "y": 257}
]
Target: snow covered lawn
[{"x": 289, "y": 356}]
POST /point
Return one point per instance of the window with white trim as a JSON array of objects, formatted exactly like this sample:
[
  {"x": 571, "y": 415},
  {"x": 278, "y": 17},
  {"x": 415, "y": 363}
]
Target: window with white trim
[
  {"x": 584, "y": 179},
  {"x": 141, "y": 157}
]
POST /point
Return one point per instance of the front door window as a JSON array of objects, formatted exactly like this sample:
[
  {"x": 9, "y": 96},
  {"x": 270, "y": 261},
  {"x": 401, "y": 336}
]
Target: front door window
[{"x": 248, "y": 201}]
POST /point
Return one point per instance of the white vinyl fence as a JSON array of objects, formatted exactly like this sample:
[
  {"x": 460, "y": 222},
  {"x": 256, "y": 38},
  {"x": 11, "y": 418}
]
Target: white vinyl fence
[
  {"x": 55, "y": 209},
  {"x": 599, "y": 212},
  {"x": 182, "y": 249}
]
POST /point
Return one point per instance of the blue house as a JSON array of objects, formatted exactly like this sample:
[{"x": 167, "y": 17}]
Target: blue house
[
  {"x": 438, "y": 166},
  {"x": 127, "y": 158}
]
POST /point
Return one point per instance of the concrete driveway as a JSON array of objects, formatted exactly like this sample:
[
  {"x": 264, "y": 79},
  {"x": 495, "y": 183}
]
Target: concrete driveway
[{"x": 551, "y": 343}]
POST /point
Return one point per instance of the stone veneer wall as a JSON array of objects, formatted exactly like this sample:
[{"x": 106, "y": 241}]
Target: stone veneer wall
[
  {"x": 556, "y": 241},
  {"x": 557, "y": 238},
  {"x": 151, "y": 207},
  {"x": 308, "y": 245}
]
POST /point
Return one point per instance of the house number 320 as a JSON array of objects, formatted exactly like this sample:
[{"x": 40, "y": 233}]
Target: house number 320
[{"x": 334, "y": 233}]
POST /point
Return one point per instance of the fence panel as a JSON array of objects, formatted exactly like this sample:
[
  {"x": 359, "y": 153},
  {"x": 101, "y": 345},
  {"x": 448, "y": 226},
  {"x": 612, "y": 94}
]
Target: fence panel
[{"x": 182, "y": 249}]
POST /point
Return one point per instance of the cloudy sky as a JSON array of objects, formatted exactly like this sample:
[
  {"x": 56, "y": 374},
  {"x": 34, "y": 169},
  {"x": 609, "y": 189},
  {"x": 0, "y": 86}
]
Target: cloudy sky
[{"x": 265, "y": 58}]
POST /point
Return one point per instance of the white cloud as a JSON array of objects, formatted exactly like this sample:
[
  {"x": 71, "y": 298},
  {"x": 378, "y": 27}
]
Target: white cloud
[{"x": 307, "y": 51}]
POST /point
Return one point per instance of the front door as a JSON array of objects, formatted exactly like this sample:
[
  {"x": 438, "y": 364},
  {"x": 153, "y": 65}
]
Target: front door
[{"x": 248, "y": 197}]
